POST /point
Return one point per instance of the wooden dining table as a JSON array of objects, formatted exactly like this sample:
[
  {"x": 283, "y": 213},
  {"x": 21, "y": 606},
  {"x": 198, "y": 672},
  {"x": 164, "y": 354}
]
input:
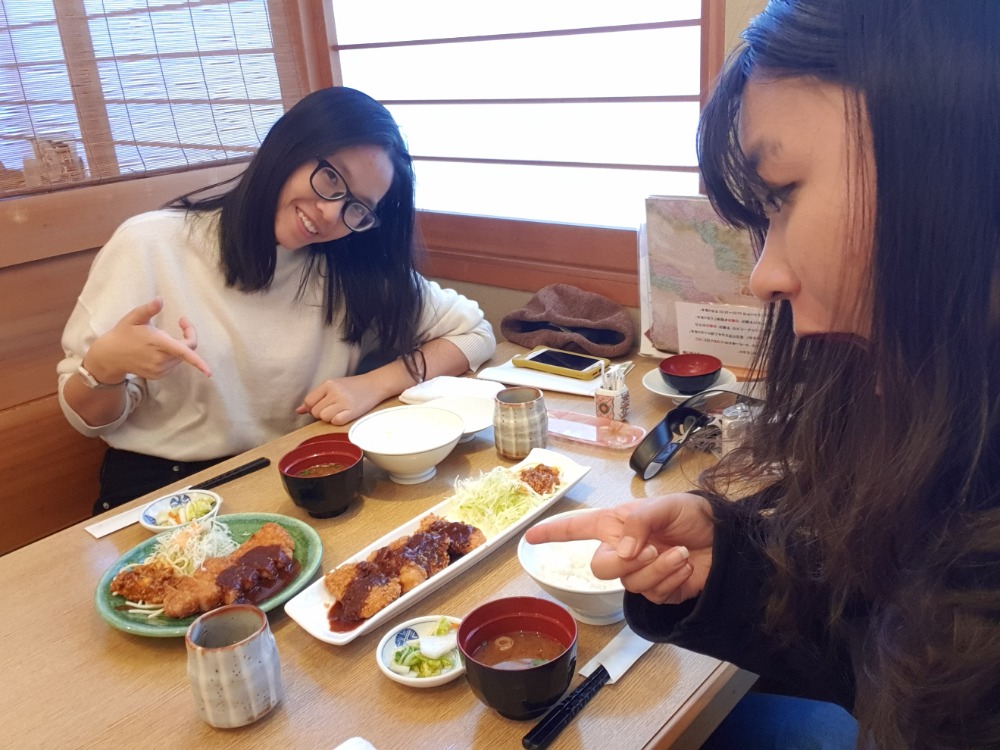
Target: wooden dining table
[{"x": 69, "y": 679}]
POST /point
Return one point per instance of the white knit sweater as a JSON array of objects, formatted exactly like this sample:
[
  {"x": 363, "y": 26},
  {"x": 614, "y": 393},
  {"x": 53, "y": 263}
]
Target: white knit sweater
[{"x": 267, "y": 349}]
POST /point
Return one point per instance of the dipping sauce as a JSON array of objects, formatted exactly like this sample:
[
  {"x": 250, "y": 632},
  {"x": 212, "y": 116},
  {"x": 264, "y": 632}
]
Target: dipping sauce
[
  {"x": 320, "y": 470},
  {"x": 519, "y": 650}
]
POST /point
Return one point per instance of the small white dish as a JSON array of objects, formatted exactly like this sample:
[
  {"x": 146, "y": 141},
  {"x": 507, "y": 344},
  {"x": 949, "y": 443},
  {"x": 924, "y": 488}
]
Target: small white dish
[
  {"x": 476, "y": 412},
  {"x": 407, "y": 631},
  {"x": 653, "y": 381},
  {"x": 176, "y": 501}
]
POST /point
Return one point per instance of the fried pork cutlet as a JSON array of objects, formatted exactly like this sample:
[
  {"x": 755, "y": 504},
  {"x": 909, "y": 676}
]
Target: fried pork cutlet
[
  {"x": 413, "y": 559},
  {"x": 362, "y": 589},
  {"x": 224, "y": 580},
  {"x": 462, "y": 537},
  {"x": 148, "y": 582}
]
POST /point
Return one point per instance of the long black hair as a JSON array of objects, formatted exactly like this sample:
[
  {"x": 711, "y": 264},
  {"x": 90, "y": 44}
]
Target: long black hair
[
  {"x": 885, "y": 453},
  {"x": 370, "y": 275}
]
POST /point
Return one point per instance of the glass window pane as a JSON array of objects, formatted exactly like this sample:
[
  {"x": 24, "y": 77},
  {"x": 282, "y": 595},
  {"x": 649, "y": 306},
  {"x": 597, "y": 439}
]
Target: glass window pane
[
  {"x": 360, "y": 21},
  {"x": 34, "y": 44},
  {"x": 596, "y": 197},
  {"x": 660, "y": 133},
  {"x": 640, "y": 63},
  {"x": 17, "y": 13}
]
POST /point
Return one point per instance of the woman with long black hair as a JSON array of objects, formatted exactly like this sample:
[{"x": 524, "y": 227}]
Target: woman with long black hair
[
  {"x": 849, "y": 553},
  {"x": 225, "y": 321}
]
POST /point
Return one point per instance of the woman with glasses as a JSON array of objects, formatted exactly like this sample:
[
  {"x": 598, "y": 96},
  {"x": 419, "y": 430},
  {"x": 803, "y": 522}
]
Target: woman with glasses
[
  {"x": 849, "y": 554},
  {"x": 246, "y": 309}
]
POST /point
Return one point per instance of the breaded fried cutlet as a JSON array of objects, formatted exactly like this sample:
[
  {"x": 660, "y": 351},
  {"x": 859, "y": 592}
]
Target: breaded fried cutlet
[
  {"x": 148, "y": 582},
  {"x": 367, "y": 592},
  {"x": 462, "y": 537}
]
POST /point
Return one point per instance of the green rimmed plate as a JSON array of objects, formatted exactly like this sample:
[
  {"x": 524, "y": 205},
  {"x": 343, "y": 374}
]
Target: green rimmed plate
[{"x": 308, "y": 552}]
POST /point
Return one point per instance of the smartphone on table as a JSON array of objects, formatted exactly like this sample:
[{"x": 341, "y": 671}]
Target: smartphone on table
[{"x": 559, "y": 362}]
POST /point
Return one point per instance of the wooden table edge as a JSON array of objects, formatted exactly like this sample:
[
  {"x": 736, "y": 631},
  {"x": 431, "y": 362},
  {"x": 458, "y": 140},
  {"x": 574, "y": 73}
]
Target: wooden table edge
[{"x": 693, "y": 722}]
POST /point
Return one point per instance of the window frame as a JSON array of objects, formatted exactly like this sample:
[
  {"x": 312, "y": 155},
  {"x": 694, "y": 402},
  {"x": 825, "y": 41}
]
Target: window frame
[
  {"x": 505, "y": 253},
  {"x": 527, "y": 255}
]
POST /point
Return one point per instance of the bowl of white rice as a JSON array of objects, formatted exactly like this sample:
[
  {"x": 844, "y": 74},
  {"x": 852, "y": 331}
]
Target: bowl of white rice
[{"x": 562, "y": 570}]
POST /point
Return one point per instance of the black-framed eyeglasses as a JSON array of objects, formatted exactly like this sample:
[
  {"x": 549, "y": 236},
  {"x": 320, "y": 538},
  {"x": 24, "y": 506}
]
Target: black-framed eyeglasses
[{"x": 330, "y": 185}]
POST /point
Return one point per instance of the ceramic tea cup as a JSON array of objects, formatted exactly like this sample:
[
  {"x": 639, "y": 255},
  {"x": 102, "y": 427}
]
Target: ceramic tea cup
[
  {"x": 520, "y": 422},
  {"x": 232, "y": 663}
]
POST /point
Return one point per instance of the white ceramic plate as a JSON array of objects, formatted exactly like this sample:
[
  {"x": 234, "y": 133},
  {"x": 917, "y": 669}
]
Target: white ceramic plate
[
  {"x": 654, "y": 382},
  {"x": 310, "y": 607},
  {"x": 416, "y": 628},
  {"x": 476, "y": 412}
]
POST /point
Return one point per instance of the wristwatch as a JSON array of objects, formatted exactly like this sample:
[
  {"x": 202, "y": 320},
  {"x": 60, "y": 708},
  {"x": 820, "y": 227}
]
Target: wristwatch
[{"x": 91, "y": 382}]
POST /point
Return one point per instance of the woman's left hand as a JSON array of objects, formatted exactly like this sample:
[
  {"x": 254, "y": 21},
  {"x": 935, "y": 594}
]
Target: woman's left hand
[{"x": 341, "y": 400}]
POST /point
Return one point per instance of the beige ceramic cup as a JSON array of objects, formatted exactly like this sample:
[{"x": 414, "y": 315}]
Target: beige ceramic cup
[
  {"x": 520, "y": 422},
  {"x": 233, "y": 666}
]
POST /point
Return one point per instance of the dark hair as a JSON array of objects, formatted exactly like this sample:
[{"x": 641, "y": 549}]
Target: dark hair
[
  {"x": 884, "y": 454},
  {"x": 370, "y": 275}
]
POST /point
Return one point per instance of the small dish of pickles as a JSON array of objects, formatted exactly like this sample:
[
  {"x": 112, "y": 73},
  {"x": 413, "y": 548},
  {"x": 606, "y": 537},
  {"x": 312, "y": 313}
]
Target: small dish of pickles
[
  {"x": 179, "y": 509},
  {"x": 422, "y": 652}
]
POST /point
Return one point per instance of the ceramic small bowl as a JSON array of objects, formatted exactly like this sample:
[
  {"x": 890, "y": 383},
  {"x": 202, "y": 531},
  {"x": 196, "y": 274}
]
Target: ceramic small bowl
[
  {"x": 319, "y": 492},
  {"x": 169, "y": 512},
  {"x": 690, "y": 373},
  {"x": 408, "y": 441},
  {"x": 562, "y": 570},
  {"x": 407, "y": 631},
  {"x": 519, "y": 693}
]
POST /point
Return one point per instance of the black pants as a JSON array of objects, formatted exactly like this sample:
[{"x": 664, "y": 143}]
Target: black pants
[{"x": 126, "y": 475}]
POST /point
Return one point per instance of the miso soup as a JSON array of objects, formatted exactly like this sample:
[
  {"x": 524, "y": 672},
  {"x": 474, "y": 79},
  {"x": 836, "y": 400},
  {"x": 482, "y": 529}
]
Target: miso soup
[
  {"x": 518, "y": 650},
  {"x": 321, "y": 470}
]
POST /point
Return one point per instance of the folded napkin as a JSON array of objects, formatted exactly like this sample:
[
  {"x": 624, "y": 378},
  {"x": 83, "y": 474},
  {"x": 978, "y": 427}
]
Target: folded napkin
[
  {"x": 447, "y": 385},
  {"x": 566, "y": 317}
]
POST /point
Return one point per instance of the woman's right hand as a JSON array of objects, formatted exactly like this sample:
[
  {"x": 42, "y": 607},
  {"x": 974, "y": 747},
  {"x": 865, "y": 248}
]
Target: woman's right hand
[
  {"x": 136, "y": 346},
  {"x": 660, "y": 548}
]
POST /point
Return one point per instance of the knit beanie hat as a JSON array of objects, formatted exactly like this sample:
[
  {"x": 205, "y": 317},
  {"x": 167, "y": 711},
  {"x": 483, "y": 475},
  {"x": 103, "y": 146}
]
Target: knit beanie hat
[{"x": 567, "y": 317}]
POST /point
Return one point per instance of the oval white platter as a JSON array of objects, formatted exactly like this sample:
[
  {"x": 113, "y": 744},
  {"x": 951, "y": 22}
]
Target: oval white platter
[{"x": 310, "y": 607}]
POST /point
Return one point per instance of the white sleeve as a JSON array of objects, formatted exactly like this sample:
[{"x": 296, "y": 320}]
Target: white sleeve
[
  {"x": 451, "y": 316},
  {"x": 116, "y": 284}
]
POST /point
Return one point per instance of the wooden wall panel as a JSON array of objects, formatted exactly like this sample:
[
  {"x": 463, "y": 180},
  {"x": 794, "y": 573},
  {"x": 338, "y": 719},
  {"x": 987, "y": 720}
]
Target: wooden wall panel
[
  {"x": 48, "y": 475},
  {"x": 35, "y": 302}
]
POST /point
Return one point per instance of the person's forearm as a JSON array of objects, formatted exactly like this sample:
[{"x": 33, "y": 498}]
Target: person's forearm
[
  {"x": 96, "y": 407},
  {"x": 441, "y": 357}
]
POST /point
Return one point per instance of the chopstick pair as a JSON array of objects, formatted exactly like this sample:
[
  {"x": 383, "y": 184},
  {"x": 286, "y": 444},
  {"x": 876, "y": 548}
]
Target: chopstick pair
[{"x": 555, "y": 721}]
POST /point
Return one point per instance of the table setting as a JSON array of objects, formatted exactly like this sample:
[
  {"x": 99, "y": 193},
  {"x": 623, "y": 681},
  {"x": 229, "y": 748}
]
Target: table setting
[{"x": 132, "y": 663}]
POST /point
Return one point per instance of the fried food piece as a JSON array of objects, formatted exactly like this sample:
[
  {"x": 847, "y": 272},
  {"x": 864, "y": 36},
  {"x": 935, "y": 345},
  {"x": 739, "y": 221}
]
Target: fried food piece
[
  {"x": 192, "y": 595},
  {"x": 542, "y": 479},
  {"x": 219, "y": 580},
  {"x": 462, "y": 537},
  {"x": 365, "y": 590},
  {"x": 147, "y": 583},
  {"x": 268, "y": 534}
]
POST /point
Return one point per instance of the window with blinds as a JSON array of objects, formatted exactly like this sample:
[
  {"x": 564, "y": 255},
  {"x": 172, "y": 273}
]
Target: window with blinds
[
  {"x": 98, "y": 90},
  {"x": 560, "y": 110}
]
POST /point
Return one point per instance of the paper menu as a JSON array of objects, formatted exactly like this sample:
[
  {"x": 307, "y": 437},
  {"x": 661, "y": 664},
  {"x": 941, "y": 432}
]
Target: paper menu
[
  {"x": 729, "y": 332},
  {"x": 687, "y": 254}
]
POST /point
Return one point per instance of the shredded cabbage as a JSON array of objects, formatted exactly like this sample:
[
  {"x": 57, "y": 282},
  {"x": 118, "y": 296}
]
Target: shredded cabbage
[
  {"x": 493, "y": 501},
  {"x": 186, "y": 549}
]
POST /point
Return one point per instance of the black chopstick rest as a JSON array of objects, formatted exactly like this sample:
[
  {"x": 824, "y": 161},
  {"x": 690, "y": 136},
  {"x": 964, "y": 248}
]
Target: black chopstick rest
[
  {"x": 239, "y": 471},
  {"x": 556, "y": 719}
]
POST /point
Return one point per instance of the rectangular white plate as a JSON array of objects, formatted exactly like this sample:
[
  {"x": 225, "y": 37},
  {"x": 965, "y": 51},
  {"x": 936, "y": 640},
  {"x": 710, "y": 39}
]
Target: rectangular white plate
[{"x": 309, "y": 608}]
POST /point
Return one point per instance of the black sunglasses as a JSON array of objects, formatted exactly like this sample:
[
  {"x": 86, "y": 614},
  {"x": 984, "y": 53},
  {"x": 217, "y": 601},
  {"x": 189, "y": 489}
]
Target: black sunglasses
[{"x": 693, "y": 416}]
